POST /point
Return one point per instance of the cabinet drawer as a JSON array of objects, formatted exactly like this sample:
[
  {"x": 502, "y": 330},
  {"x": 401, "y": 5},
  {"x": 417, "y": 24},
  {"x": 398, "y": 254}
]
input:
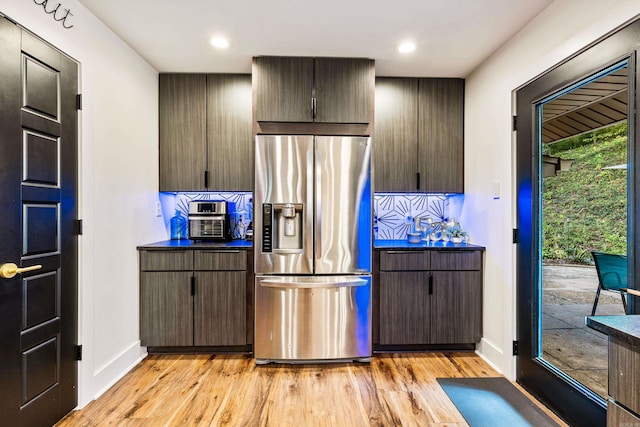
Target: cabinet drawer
[
  {"x": 404, "y": 260},
  {"x": 456, "y": 260},
  {"x": 166, "y": 260},
  {"x": 229, "y": 260}
]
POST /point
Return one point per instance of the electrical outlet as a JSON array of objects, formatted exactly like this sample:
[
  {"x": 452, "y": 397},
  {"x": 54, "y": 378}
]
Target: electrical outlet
[{"x": 158, "y": 209}]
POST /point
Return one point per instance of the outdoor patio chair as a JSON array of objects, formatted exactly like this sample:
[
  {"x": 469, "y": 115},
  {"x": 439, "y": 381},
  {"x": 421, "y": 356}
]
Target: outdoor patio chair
[{"x": 612, "y": 275}]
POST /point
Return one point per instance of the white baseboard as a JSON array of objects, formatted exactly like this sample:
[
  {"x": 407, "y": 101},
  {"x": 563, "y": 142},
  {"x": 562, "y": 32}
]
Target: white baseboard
[
  {"x": 494, "y": 356},
  {"x": 105, "y": 377}
]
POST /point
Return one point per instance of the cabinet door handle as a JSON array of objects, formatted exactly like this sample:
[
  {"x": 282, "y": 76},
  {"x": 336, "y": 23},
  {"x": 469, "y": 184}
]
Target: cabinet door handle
[
  {"x": 193, "y": 285},
  {"x": 221, "y": 251},
  {"x": 418, "y": 180},
  {"x": 313, "y": 107},
  {"x": 206, "y": 179},
  {"x": 430, "y": 284}
]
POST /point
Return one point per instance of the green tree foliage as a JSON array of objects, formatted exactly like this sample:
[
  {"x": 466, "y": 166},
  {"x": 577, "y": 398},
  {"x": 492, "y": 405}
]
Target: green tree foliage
[{"x": 585, "y": 208}]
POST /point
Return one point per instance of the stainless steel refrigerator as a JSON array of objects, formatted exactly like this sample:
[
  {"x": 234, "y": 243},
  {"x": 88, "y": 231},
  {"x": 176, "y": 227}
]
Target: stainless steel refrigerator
[{"x": 312, "y": 246}]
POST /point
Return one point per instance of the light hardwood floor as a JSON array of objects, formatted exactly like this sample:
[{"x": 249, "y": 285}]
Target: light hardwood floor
[{"x": 229, "y": 390}]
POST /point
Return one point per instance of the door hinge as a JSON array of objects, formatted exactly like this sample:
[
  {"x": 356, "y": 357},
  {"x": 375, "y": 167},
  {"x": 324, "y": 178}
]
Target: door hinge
[
  {"x": 516, "y": 235},
  {"x": 515, "y": 348},
  {"x": 79, "y": 101},
  {"x": 78, "y": 352},
  {"x": 193, "y": 285},
  {"x": 77, "y": 227},
  {"x": 514, "y": 123}
]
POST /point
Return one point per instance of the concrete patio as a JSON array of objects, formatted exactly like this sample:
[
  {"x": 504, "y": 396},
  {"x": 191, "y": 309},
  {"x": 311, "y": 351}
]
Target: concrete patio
[{"x": 579, "y": 351}]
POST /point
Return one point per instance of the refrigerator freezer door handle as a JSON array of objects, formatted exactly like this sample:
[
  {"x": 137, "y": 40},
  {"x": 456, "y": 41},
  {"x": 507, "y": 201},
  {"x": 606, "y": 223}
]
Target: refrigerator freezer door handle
[
  {"x": 288, "y": 251},
  {"x": 344, "y": 283}
]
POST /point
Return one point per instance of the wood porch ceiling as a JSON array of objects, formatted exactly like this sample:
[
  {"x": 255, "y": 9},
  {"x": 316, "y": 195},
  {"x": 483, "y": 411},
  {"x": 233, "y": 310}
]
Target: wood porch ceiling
[{"x": 597, "y": 104}]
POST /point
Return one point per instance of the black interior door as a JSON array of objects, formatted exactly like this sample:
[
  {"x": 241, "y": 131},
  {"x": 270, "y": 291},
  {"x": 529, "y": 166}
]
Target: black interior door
[
  {"x": 573, "y": 402},
  {"x": 38, "y": 181}
]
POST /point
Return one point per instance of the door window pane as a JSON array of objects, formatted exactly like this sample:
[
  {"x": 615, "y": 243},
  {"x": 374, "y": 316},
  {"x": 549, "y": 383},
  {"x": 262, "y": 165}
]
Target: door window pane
[{"x": 583, "y": 165}]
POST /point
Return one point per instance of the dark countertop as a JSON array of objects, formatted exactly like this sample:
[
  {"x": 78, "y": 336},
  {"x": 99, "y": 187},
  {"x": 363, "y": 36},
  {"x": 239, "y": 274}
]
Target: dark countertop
[
  {"x": 625, "y": 328},
  {"x": 248, "y": 244},
  {"x": 404, "y": 244},
  {"x": 206, "y": 244}
]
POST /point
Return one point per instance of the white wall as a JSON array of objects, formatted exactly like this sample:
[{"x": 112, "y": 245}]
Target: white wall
[
  {"x": 118, "y": 184},
  {"x": 562, "y": 29}
]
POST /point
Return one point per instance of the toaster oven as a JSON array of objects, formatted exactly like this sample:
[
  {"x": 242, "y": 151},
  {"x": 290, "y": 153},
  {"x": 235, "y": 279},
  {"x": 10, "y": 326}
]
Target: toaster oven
[{"x": 209, "y": 220}]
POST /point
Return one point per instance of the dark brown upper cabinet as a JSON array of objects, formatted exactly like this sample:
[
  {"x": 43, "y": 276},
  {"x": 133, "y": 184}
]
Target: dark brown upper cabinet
[
  {"x": 313, "y": 91},
  {"x": 441, "y": 135},
  {"x": 183, "y": 131},
  {"x": 230, "y": 137},
  {"x": 419, "y": 135},
  {"x": 284, "y": 89},
  {"x": 342, "y": 90},
  {"x": 396, "y": 135},
  {"x": 205, "y": 132}
]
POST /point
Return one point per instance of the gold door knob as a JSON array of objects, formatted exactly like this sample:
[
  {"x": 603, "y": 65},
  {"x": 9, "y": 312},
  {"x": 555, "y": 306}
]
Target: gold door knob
[{"x": 9, "y": 270}]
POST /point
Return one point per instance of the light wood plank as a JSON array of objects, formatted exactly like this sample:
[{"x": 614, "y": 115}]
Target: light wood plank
[
  {"x": 212, "y": 394},
  {"x": 230, "y": 390}
]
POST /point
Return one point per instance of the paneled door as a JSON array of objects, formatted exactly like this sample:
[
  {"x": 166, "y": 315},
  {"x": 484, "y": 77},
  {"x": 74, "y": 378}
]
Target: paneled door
[{"x": 38, "y": 246}]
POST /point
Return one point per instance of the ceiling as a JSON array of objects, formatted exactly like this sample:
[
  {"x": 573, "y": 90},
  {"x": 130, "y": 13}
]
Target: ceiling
[
  {"x": 599, "y": 103},
  {"x": 453, "y": 37}
]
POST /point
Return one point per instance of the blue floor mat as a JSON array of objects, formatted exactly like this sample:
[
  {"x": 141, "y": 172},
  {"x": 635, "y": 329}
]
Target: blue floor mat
[{"x": 493, "y": 402}]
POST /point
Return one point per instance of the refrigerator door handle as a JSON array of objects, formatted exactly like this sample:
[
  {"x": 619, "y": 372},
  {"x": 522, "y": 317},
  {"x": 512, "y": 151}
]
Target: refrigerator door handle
[
  {"x": 318, "y": 199},
  {"x": 342, "y": 283}
]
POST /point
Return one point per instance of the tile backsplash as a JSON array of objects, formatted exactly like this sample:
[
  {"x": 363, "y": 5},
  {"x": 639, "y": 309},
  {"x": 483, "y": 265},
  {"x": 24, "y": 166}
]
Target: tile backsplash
[
  {"x": 240, "y": 211},
  {"x": 393, "y": 212}
]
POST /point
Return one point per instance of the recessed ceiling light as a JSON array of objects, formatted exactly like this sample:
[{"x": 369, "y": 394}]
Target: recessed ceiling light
[
  {"x": 220, "y": 42},
  {"x": 406, "y": 47}
]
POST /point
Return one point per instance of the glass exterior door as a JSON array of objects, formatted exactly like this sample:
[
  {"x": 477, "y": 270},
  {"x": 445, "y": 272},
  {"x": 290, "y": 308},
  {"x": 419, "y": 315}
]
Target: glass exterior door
[{"x": 577, "y": 191}]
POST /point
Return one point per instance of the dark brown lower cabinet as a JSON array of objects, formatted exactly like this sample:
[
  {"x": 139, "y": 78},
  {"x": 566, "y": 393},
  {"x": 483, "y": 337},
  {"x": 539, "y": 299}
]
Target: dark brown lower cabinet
[
  {"x": 619, "y": 416},
  {"x": 428, "y": 306},
  {"x": 456, "y": 315},
  {"x": 624, "y": 376},
  {"x": 219, "y": 308},
  {"x": 405, "y": 307},
  {"x": 204, "y": 304},
  {"x": 166, "y": 309}
]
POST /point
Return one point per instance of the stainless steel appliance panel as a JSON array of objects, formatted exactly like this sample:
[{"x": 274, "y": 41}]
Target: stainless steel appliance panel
[
  {"x": 208, "y": 207},
  {"x": 300, "y": 318},
  {"x": 343, "y": 205},
  {"x": 283, "y": 202},
  {"x": 209, "y": 220},
  {"x": 215, "y": 227}
]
